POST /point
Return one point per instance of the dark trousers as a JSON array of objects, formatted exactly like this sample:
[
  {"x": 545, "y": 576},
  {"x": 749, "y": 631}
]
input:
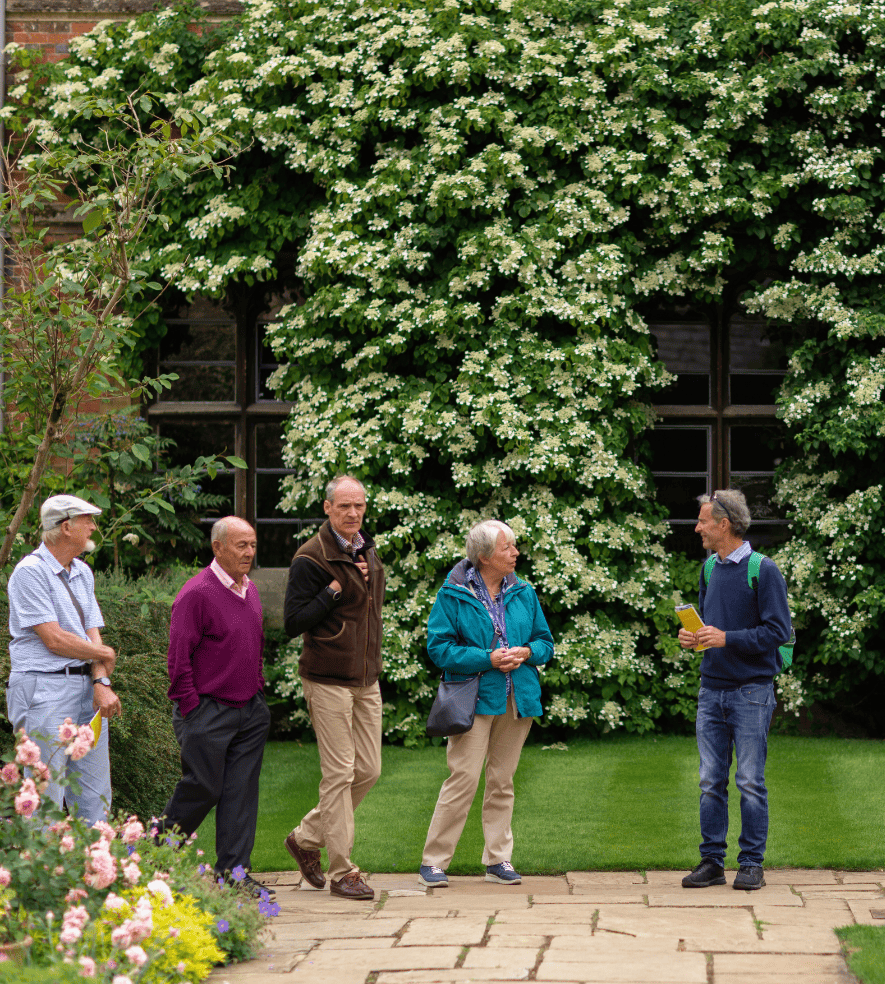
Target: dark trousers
[{"x": 221, "y": 752}]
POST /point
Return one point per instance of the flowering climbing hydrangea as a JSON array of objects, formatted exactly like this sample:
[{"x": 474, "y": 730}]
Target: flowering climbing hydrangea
[{"x": 488, "y": 200}]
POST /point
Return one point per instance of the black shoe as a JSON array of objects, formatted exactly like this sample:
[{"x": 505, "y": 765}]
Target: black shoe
[
  {"x": 247, "y": 885},
  {"x": 750, "y": 877},
  {"x": 705, "y": 874}
]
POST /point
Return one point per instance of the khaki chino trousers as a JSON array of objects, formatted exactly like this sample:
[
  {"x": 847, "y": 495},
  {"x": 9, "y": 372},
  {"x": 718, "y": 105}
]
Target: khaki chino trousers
[
  {"x": 496, "y": 740},
  {"x": 347, "y": 723}
]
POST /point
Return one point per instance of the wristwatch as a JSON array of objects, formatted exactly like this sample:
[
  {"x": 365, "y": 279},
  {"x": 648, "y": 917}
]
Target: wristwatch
[
  {"x": 335, "y": 594},
  {"x": 104, "y": 681}
]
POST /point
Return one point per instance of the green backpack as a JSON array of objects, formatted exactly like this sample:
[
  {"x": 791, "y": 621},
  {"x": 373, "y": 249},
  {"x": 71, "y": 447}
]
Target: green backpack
[{"x": 753, "y": 567}]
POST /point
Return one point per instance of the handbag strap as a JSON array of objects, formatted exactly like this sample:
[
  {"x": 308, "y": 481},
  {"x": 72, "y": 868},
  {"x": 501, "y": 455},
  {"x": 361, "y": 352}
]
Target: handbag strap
[{"x": 64, "y": 581}]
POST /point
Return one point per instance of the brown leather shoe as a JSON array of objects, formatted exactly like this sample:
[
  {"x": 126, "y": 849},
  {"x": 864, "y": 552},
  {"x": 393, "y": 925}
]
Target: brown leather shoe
[
  {"x": 351, "y": 886},
  {"x": 308, "y": 863}
]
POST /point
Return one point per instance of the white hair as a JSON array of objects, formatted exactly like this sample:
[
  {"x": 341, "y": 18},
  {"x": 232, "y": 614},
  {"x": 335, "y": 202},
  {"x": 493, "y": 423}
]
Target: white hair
[
  {"x": 332, "y": 487},
  {"x": 483, "y": 538}
]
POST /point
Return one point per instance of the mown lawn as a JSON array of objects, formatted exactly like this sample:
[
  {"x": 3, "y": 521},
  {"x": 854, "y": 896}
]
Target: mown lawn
[{"x": 629, "y": 803}]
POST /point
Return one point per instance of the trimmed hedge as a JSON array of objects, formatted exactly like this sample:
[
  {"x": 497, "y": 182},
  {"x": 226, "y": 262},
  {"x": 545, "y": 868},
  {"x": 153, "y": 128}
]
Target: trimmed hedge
[{"x": 144, "y": 754}]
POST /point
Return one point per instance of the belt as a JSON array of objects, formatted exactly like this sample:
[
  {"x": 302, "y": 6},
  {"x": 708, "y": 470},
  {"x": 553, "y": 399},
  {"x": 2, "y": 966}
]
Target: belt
[{"x": 84, "y": 670}]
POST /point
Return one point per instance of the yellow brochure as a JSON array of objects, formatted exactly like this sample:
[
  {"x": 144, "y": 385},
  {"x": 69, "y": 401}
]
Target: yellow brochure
[
  {"x": 95, "y": 724},
  {"x": 691, "y": 621}
]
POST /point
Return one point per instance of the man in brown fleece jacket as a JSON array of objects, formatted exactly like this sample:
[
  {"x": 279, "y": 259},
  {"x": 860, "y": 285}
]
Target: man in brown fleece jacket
[{"x": 334, "y": 598}]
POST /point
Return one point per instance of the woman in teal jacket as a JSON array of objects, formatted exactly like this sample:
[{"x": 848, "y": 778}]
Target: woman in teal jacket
[{"x": 486, "y": 620}]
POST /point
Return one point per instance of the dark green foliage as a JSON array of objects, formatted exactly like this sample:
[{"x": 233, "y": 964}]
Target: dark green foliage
[{"x": 144, "y": 754}]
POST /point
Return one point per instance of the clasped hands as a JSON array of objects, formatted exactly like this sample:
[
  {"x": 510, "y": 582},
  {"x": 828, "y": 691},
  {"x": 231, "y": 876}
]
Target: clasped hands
[
  {"x": 507, "y": 660},
  {"x": 709, "y": 637}
]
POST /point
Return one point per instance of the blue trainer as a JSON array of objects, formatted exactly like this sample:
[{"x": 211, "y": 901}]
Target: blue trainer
[
  {"x": 503, "y": 873},
  {"x": 432, "y": 877}
]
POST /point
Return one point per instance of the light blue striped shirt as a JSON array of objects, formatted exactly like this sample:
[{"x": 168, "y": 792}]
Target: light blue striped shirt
[{"x": 36, "y": 596}]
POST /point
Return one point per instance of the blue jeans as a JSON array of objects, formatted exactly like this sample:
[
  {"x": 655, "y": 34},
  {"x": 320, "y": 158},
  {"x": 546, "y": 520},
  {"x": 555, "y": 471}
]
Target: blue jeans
[
  {"x": 39, "y": 703},
  {"x": 736, "y": 719}
]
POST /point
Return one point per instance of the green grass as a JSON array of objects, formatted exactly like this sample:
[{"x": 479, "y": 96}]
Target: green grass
[
  {"x": 628, "y": 804},
  {"x": 865, "y": 950}
]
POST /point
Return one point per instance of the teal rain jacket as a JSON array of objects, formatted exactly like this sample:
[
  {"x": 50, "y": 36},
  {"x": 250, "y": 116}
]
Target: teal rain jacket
[{"x": 460, "y": 636}]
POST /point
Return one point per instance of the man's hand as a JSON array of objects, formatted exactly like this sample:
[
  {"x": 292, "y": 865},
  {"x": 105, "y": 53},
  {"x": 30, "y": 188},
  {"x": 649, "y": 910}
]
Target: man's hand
[
  {"x": 335, "y": 586},
  {"x": 710, "y": 637},
  {"x": 688, "y": 640},
  {"x": 364, "y": 568},
  {"x": 104, "y": 699}
]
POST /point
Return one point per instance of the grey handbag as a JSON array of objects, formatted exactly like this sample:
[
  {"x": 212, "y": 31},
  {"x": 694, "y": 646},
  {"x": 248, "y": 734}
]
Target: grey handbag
[{"x": 454, "y": 707}]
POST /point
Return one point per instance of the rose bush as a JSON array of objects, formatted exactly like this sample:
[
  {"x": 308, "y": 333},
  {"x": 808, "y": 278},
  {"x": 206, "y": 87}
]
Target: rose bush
[{"x": 108, "y": 899}]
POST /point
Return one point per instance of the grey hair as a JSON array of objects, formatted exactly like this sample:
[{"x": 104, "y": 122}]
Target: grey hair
[
  {"x": 729, "y": 504},
  {"x": 51, "y": 536},
  {"x": 483, "y": 538},
  {"x": 332, "y": 487}
]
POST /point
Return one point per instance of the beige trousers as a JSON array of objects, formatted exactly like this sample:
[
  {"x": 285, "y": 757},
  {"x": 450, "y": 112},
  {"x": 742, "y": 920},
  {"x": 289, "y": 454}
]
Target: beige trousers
[
  {"x": 347, "y": 723},
  {"x": 497, "y": 740}
]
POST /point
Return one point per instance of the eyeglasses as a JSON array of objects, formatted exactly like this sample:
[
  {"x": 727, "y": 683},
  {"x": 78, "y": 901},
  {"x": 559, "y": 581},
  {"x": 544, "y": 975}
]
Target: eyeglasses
[{"x": 713, "y": 498}]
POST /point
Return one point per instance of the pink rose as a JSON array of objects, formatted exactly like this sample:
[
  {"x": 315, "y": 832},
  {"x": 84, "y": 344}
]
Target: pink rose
[
  {"x": 105, "y": 829},
  {"x": 70, "y": 934},
  {"x": 131, "y": 874},
  {"x": 27, "y": 752},
  {"x": 137, "y": 955},
  {"x": 10, "y": 774},
  {"x": 88, "y": 965},
  {"x": 67, "y": 731},
  {"x": 67, "y": 843},
  {"x": 40, "y": 772},
  {"x": 121, "y": 979},
  {"x": 132, "y": 831},
  {"x": 181, "y": 967},
  {"x": 28, "y": 799},
  {"x": 101, "y": 868},
  {"x": 5, "y": 876},
  {"x": 78, "y": 748},
  {"x": 113, "y": 902},
  {"x": 121, "y": 936}
]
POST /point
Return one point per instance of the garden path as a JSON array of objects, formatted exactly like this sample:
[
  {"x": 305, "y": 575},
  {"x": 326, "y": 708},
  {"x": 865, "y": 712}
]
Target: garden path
[{"x": 593, "y": 927}]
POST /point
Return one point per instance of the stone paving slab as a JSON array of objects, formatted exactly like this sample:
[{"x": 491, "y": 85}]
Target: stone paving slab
[
  {"x": 583, "y": 928},
  {"x": 866, "y": 913},
  {"x": 460, "y": 930},
  {"x": 583, "y": 894},
  {"x": 722, "y": 895},
  {"x": 738, "y": 968},
  {"x": 731, "y": 929},
  {"x": 850, "y": 877}
]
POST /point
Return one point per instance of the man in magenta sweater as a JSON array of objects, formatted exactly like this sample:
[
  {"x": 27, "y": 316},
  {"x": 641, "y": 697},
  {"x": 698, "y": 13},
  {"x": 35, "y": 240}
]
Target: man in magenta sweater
[{"x": 221, "y": 719}]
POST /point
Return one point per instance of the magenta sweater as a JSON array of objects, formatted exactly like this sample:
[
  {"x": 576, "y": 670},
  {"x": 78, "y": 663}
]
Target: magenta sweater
[{"x": 216, "y": 642}]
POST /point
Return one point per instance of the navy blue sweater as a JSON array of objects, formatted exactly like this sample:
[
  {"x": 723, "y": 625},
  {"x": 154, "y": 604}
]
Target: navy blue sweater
[{"x": 754, "y": 623}]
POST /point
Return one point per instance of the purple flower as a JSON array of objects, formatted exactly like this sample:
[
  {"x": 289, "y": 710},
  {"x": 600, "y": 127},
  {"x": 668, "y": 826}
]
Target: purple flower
[
  {"x": 269, "y": 908},
  {"x": 222, "y": 925},
  {"x": 239, "y": 873}
]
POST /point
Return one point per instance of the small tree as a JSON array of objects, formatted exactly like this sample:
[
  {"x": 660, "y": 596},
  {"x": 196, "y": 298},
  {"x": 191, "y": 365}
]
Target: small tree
[{"x": 65, "y": 338}]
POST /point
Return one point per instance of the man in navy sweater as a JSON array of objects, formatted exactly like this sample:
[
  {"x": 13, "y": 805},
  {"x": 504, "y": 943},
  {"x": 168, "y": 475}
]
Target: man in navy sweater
[
  {"x": 743, "y": 629},
  {"x": 221, "y": 718}
]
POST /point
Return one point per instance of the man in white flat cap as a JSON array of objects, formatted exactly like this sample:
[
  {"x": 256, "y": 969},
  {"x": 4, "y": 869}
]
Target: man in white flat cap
[{"x": 60, "y": 667}]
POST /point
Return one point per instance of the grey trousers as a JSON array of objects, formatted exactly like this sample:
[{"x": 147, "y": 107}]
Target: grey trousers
[
  {"x": 39, "y": 703},
  {"x": 221, "y": 752}
]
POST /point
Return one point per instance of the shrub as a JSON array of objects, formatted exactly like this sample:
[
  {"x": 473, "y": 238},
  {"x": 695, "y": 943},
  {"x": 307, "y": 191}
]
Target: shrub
[{"x": 145, "y": 762}]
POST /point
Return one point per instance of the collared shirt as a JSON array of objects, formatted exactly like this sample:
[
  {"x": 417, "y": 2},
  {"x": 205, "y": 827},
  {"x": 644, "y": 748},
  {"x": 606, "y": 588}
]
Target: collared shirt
[
  {"x": 36, "y": 596},
  {"x": 239, "y": 589},
  {"x": 495, "y": 608},
  {"x": 736, "y": 555},
  {"x": 352, "y": 548}
]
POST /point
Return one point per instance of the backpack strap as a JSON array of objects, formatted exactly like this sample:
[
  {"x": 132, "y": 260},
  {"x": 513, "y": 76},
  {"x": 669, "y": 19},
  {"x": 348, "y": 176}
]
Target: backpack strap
[
  {"x": 754, "y": 565},
  {"x": 708, "y": 568}
]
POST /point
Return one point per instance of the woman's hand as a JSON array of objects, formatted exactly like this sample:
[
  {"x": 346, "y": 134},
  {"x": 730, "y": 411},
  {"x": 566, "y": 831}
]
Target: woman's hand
[{"x": 507, "y": 660}]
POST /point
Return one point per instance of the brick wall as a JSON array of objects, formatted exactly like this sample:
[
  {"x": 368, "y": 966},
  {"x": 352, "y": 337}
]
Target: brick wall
[{"x": 50, "y": 24}]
